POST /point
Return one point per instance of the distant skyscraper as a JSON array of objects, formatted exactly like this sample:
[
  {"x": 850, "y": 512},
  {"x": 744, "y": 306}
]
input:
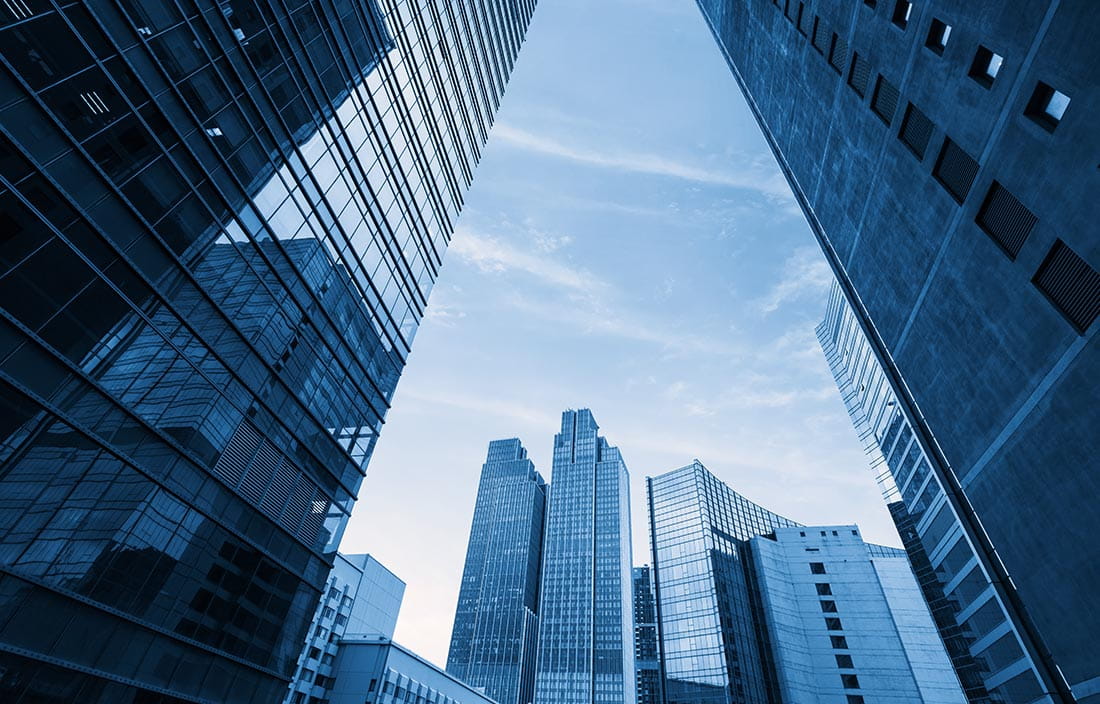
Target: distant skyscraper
[
  {"x": 646, "y": 661},
  {"x": 220, "y": 225},
  {"x": 586, "y": 625},
  {"x": 944, "y": 153},
  {"x": 755, "y": 609},
  {"x": 495, "y": 633},
  {"x": 980, "y": 617}
]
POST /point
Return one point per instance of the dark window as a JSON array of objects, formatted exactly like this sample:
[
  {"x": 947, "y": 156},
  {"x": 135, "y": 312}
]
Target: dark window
[
  {"x": 838, "y": 53},
  {"x": 1071, "y": 284},
  {"x": 817, "y": 567},
  {"x": 986, "y": 66},
  {"x": 870, "y": 3},
  {"x": 824, "y": 589},
  {"x": 1047, "y": 106},
  {"x": 802, "y": 533},
  {"x": 955, "y": 170},
  {"x": 833, "y": 624},
  {"x": 843, "y": 660},
  {"x": 916, "y": 130},
  {"x": 859, "y": 74},
  {"x": 855, "y": 699},
  {"x": 839, "y": 642},
  {"x": 828, "y": 607},
  {"x": 938, "y": 34},
  {"x": 315, "y": 653},
  {"x": 1005, "y": 219},
  {"x": 902, "y": 10},
  {"x": 817, "y": 38},
  {"x": 850, "y": 681},
  {"x": 803, "y": 19}
]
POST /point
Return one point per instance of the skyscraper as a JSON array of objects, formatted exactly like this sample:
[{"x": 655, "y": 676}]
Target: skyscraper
[
  {"x": 943, "y": 152},
  {"x": 979, "y": 615},
  {"x": 495, "y": 633},
  {"x": 586, "y": 625},
  {"x": 647, "y": 665},
  {"x": 221, "y": 222}
]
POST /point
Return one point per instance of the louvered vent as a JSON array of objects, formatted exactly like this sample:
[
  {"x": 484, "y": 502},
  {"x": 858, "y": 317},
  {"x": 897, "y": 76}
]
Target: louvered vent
[
  {"x": 916, "y": 130},
  {"x": 955, "y": 170},
  {"x": 820, "y": 35},
  {"x": 1071, "y": 285},
  {"x": 1005, "y": 219},
  {"x": 838, "y": 54},
  {"x": 238, "y": 454},
  {"x": 860, "y": 74},
  {"x": 884, "y": 103}
]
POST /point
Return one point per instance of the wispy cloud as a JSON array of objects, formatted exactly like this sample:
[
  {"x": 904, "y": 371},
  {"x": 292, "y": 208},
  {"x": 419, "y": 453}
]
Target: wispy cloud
[
  {"x": 480, "y": 403},
  {"x": 752, "y": 176},
  {"x": 493, "y": 254},
  {"x": 805, "y": 273}
]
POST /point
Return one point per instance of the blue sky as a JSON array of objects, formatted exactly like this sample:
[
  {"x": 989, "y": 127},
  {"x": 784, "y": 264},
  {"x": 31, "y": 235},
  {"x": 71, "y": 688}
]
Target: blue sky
[{"x": 628, "y": 246}]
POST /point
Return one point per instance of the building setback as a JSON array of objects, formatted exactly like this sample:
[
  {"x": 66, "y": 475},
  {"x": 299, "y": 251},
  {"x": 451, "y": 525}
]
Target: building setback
[
  {"x": 374, "y": 670},
  {"x": 944, "y": 153},
  {"x": 221, "y": 223},
  {"x": 495, "y": 633},
  {"x": 586, "y": 625},
  {"x": 646, "y": 660}
]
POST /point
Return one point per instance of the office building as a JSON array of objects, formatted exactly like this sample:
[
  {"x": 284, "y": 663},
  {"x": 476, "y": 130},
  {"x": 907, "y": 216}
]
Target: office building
[
  {"x": 647, "y": 665},
  {"x": 362, "y": 599},
  {"x": 374, "y": 670},
  {"x": 221, "y": 222},
  {"x": 755, "y": 609},
  {"x": 944, "y": 153},
  {"x": 586, "y": 624},
  {"x": 978, "y": 615},
  {"x": 495, "y": 633}
]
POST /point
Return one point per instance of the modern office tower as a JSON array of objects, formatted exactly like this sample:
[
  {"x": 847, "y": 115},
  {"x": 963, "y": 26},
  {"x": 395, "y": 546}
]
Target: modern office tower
[
  {"x": 586, "y": 624},
  {"x": 221, "y": 221},
  {"x": 495, "y": 633},
  {"x": 980, "y": 616},
  {"x": 846, "y": 621},
  {"x": 743, "y": 620},
  {"x": 378, "y": 671},
  {"x": 943, "y": 152},
  {"x": 647, "y": 664},
  {"x": 362, "y": 599}
]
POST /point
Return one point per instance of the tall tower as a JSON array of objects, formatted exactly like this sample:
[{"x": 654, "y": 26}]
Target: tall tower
[
  {"x": 586, "y": 624},
  {"x": 495, "y": 633},
  {"x": 944, "y": 153},
  {"x": 221, "y": 221}
]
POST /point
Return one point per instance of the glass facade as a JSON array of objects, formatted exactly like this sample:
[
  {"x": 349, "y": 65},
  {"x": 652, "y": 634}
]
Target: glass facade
[
  {"x": 646, "y": 660},
  {"x": 495, "y": 633},
  {"x": 586, "y": 625},
  {"x": 221, "y": 222},
  {"x": 978, "y": 623}
]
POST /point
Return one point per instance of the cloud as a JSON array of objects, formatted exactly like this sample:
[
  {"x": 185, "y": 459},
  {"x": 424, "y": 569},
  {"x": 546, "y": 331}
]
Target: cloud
[
  {"x": 805, "y": 273},
  {"x": 492, "y": 254},
  {"x": 480, "y": 403},
  {"x": 754, "y": 176}
]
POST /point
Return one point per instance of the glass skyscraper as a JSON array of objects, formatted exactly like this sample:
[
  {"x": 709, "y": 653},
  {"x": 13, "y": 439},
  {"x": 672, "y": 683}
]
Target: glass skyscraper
[
  {"x": 495, "y": 633},
  {"x": 586, "y": 625},
  {"x": 944, "y": 154},
  {"x": 646, "y": 662},
  {"x": 220, "y": 220}
]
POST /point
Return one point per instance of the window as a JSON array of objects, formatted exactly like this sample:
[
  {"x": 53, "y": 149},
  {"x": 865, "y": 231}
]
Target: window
[
  {"x": 916, "y": 130},
  {"x": 833, "y": 624},
  {"x": 314, "y": 653},
  {"x": 817, "y": 567},
  {"x": 938, "y": 34},
  {"x": 1071, "y": 284},
  {"x": 870, "y": 3},
  {"x": 802, "y": 533},
  {"x": 855, "y": 532},
  {"x": 986, "y": 66},
  {"x": 850, "y": 681},
  {"x": 1005, "y": 220},
  {"x": 839, "y": 642},
  {"x": 372, "y": 685},
  {"x": 822, "y": 534},
  {"x": 803, "y": 19},
  {"x": 1047, "y": 106},
  {"x": 858, "y": 76},
  {"x": 855, "y": 699},
  {"x": 834, "y": 532},
  {"x": 838, "y": 53},
  {"x": 828, "y": 606},
  {"x": 824, "y": 589},
  {"x": 955, "y": 170},
  {"x": 902, "y": 11},
  {"x": 843, "y": 660}
]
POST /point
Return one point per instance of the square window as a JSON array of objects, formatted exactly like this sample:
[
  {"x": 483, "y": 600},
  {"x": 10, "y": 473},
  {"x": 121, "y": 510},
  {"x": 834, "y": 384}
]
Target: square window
[
  {"x": 903, "y": 9},
  {"x": 828, "y": 607},
  {"x": 843, "y": 660},
  {"x": 1047, "y": 106},
  {"x": 823, "y": 534},
  {"x": 938, "y": 34},
  {"x": 850, "y": 681},
  {"x": 817, "y": 567},
  {"x": 802, "y": 533},
  {"x": 855, "y": 532},
  {"x": 824, "y": 589},
  {"x": 986, "y": 66},
  {"x": 834, "y": 532},
  {"x": 839, "y": 642},
  {"x": 833, "y": 624},
  {"x": 855, "y": 699}
]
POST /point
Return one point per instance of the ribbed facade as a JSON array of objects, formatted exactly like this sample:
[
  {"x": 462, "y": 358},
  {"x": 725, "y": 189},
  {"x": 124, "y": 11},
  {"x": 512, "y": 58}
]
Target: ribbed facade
[
  {"x": 495, "y": 632},
  {"x": 646, "y": 654},
  {"x": 221, "y": 222}
]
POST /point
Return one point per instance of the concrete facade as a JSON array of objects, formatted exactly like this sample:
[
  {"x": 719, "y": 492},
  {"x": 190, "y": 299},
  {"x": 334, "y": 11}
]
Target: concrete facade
[{"x": 379, "y": 671}]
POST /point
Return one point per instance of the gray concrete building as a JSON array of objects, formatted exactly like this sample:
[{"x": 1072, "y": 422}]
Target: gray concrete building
[{"x": 375, "y": 670}]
